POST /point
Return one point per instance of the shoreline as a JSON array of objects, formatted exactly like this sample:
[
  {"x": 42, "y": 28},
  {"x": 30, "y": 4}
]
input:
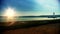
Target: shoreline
[
  {"x": 23, "y": 24},
  {"x": 52, "y": 25}
]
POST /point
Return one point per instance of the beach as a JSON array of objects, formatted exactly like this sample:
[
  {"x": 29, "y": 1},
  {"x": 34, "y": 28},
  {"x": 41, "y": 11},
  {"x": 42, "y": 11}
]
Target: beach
[{"x": 32, "y": 27}]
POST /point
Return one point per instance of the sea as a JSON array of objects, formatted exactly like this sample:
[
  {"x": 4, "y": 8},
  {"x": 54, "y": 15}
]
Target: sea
[{"x": 28, "y": 18}]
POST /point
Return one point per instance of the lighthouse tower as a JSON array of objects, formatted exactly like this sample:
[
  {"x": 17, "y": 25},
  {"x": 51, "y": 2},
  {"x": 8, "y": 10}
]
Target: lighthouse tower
[{"x": 53, "y": 13}]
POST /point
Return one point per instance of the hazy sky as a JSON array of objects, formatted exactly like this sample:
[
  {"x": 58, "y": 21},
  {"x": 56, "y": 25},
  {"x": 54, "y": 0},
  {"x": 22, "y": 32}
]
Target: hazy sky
[{"x": 31, "y": 7}]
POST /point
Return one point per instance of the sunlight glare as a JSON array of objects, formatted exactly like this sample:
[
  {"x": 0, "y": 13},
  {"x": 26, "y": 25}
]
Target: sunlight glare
[{"x": 10, "y": 14}]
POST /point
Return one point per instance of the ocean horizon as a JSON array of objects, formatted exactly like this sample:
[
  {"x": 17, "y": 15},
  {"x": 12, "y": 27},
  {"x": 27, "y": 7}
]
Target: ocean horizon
[{"x": 3, "y": 19}]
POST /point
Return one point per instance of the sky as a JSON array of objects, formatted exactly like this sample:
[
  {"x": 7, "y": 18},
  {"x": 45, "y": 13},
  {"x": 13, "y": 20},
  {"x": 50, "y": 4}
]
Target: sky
[{"x": 31, "y": 7}]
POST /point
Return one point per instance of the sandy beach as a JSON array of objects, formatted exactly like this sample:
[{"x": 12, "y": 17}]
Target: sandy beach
[{"x": 32, "y": 27}]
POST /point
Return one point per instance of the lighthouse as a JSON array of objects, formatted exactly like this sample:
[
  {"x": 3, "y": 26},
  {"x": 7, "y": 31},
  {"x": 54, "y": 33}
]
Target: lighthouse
[{"x": 53, "y": 13}]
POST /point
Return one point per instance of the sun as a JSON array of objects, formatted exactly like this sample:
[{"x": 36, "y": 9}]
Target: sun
[{"x": 10, "y": 14}]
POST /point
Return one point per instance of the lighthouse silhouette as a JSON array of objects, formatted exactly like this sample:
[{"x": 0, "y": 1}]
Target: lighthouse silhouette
[{"x": 53, "y": 13}]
